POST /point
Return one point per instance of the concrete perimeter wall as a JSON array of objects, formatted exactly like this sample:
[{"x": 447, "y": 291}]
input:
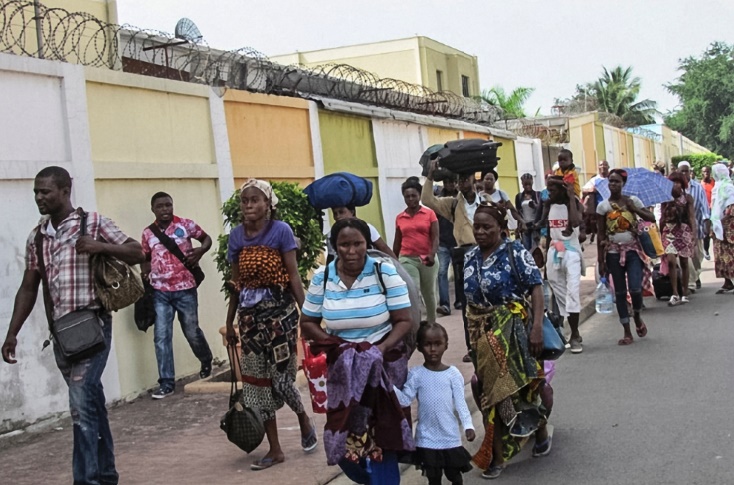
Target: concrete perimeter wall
[{"x": 124, "y": 137}]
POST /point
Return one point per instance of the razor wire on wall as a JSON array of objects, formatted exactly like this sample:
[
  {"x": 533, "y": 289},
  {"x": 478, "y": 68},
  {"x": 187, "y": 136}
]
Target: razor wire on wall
[{"x": 33, "y": 30}]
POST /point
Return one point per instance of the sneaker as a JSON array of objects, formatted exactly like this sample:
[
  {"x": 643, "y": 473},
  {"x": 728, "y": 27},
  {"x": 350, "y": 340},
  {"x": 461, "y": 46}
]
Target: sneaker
[
  {"x": 458, "y": 305},
  {"x": 466, "y": 358},
  {"x": 206, "y": 370},
  {"x": 443, "y": 310},
  {"x": 162, "y": 392},
  {"x": 698, "y": 284},
  {"x": 492, "y": 472},
  {"x": 576, "y": 347},
  {"x": 674, "y": 301},
  {"x": 684, "y": 299},
  {"x": 707, "y": 256}
]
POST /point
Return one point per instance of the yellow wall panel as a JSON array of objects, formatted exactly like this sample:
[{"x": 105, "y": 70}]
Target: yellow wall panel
[
  {"x": 139, "y": 125},
  {"x": 348, "y": 146},
  {"x": 269, "y": 139},
  {"x": 442, "y": 135}
]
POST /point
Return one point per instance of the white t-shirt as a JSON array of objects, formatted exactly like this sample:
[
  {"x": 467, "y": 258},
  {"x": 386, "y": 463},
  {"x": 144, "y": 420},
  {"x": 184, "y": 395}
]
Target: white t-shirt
[
  {"x": 558, "y": 222},
  {"x": 501, "y": 196},
  {"x": 620, "y": 237}
]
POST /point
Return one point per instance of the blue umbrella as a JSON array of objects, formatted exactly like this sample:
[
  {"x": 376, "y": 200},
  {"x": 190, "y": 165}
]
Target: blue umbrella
[{"x": 651, "y": 187}]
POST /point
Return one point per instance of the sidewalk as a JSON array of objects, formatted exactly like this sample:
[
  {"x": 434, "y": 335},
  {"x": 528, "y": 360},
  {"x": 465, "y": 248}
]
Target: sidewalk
[{"x": 178, "y": 440}]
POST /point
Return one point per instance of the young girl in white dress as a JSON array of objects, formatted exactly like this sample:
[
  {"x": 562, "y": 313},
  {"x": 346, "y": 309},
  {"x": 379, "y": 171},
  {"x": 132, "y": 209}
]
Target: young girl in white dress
[{"x": 439, "y": 389}]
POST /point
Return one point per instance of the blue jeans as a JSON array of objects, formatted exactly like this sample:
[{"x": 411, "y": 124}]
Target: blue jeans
[
  {"x": 93, "y": 457},
  {"x": 185, "y": 304},
  {"x": 444, "y": 261},
  {"x": 624, "y": 277}
]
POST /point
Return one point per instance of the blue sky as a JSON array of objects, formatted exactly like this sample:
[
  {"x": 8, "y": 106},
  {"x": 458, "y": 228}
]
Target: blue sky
[{"x": 548, "y": 45}]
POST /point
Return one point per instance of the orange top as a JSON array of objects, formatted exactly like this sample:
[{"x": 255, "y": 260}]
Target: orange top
[{"x": 570, "y": 176}]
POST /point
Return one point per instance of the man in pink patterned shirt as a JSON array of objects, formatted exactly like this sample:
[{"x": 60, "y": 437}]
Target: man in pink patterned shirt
[{"x": 171, "y": 274}]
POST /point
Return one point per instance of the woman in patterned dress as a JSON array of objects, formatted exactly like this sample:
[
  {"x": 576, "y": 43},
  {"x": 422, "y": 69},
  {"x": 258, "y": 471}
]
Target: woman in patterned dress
[
  {"x": 504, "y": 349},
  {"x": 266, "y": 287},
  {"x": 677, "y": 223},
  {"x": 722, "y": 219}
]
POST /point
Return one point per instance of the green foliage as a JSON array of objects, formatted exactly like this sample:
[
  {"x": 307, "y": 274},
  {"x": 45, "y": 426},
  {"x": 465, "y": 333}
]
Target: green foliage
[
  {"x": 294, "y": 209},
  {"x": 697, "y": 160},
  {"x": 706, "y": 93},
  {"x": 615, "y": 93},
  {"x": 513, "y": 104}
]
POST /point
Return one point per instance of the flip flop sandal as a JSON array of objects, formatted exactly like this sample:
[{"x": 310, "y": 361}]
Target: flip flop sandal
[
  {"x": 674, "y": 301},
  {"x": 625, "y": 341},
  {"x": 723, "y": 290},
  {"x": 641, "y": 330},
  {"x": 310, "y": 442},
  {"x": 543, "y": 449},
  {"x": 264, "y": 464},
  {"x": 684, "y": 299}
]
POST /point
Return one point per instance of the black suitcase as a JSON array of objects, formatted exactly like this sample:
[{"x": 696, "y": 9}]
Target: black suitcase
[
  {"x": 470, "y": 155},
  {"x": 662, "y": 286},
  {"x": 440, "y": 174}
]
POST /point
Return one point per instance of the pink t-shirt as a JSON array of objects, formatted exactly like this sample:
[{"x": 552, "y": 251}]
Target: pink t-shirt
[
  {"x": 416, "y": 232},
  {"x": 167, "y": 272}
]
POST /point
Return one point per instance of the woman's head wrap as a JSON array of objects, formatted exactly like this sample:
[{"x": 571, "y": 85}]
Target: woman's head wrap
[
  {"x": 263, "y": 187},
  {"x": 498, "y": 212},
  {"x": 722, "y": 197}
]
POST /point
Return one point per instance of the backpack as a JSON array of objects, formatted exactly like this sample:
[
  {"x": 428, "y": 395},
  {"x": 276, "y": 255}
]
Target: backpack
[
  {"x": 413, "y": 294},
  {"x": 339, "y": 190}
]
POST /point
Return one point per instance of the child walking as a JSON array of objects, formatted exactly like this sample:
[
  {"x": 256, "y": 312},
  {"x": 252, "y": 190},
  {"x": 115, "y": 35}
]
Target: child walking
[{"x": 437, "y": 439}]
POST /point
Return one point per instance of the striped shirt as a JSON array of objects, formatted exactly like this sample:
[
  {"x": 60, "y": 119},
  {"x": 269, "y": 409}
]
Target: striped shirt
[
  {"x": 360, "y": 313},
  {"x": 700, "y": 206},
  {"x": 68, "y": 273}
]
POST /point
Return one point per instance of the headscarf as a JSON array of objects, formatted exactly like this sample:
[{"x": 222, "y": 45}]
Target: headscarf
[
  {"x": 723, "y": 197},
  {"x": 263, "y": 187},
  {"x": 496, "y": 211}
]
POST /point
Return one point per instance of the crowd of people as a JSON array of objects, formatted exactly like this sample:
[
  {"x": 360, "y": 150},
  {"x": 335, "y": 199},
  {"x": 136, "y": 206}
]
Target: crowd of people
[{"x": 357, "y": 308}]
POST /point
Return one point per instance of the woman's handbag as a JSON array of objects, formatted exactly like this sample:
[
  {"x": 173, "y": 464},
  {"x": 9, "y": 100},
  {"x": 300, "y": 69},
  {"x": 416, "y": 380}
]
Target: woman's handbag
[
  {"x": 647, "y": 233},
  {"x": 554, "y": 345},
  {"x": 315, "y": 368},
  {"x": 242, "y": 424}
]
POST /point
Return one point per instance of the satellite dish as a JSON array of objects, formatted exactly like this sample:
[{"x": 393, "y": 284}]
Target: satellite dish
[{"x": 187, "y": 30}]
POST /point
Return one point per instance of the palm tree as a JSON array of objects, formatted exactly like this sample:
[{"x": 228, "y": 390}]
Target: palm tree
[
  {"x": 512, "y": 104},
  {"x": 616, "y": 92}
]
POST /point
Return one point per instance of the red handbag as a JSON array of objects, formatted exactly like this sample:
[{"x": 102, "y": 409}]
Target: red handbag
[{"x": 315, "y": 368}]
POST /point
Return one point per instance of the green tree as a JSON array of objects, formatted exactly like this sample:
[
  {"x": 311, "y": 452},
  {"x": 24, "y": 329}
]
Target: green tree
[
  {"x": 615, "y": 93},
  {"x": 513, "y": 103},
  {"x": 706, "y": 93}
]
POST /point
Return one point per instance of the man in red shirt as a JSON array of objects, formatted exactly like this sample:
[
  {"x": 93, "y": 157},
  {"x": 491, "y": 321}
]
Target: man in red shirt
[
  {"x": 708, "y": 184},
  {"x": 174, "y": 287}
]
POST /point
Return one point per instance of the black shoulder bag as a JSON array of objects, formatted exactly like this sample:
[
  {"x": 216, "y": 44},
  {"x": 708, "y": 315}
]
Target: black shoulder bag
[
  {"x": 78, "y": 334},
  {"x": 173, "y": 248}
]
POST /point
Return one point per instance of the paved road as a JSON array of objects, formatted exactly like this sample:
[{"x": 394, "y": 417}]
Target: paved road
[{"x": 656, "y": 412}]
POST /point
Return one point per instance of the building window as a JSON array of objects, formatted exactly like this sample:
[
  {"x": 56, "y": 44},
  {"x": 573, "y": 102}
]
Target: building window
[
  {"x": 439, "y": 81},
  {"x": 465, "y": 86}
]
